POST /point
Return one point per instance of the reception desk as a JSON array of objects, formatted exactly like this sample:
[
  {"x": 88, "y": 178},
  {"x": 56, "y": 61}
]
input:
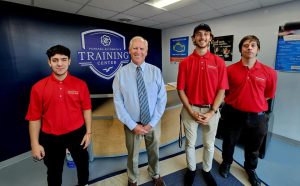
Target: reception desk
[{"x": 108, "y": 138}]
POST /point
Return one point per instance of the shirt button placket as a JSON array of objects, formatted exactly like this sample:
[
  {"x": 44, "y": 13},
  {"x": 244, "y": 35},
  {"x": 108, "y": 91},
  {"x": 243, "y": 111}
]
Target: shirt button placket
[
  {"x": 202, "y": 63},
  {"x": 60, "y": 90}
]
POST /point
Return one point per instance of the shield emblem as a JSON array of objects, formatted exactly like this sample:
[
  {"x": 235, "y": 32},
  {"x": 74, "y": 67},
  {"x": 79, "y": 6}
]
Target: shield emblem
[{"x": 103, "y": 51}]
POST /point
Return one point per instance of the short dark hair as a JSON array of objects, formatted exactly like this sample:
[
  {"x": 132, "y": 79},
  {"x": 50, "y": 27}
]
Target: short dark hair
[
  {"x": 251, "y": 38},
  {"x": 202, "y": 26},
  {"x": 58, "y": 49}
]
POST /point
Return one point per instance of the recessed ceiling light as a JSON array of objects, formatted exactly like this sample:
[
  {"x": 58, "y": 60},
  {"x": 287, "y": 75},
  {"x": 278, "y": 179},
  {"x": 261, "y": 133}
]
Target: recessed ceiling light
[{"x": 161, "y": 3}]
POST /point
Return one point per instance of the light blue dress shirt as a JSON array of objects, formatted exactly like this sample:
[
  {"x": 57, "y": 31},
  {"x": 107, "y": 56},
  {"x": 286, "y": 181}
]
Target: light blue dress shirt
[{"x": 126, "y": 94}]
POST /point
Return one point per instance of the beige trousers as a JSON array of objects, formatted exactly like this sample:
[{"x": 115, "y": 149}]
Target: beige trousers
[
  {"x": 208, "y": 138},
  {"x": 133, "y": 142}
]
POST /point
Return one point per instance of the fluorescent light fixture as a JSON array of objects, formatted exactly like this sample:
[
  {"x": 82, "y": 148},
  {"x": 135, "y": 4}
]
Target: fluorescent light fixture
[{"x": 161, "y": 3}]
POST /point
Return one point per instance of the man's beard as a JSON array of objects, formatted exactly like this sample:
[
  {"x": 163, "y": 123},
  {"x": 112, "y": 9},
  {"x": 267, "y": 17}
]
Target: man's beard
[{"x": 199, "y": 46}]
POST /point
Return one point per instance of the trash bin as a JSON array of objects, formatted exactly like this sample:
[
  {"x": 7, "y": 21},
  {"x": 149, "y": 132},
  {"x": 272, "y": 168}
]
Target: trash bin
[{"x": 69, "y": 159}]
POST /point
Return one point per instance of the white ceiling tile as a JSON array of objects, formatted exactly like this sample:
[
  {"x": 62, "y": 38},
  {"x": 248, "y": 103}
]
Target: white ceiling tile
[
  {"x": 180, "y": 4},
  {"x": 193, "y": 9},
  {"x": 24, "y": 2},
  {"x": 164, "y": 25},
  {"x": 58, "y": 5},
  {"x": 173, "y": 23},
  {"x": 145, "y": 22},
  {"x": 144, "y": 11},
  {"x": 241, "y": 7},
  {"x": 96, "y": 12},
  {"x": 115, "y": 5},
  {"x": 183, "y": 21},
  {"x": 222, "y": 3},
  {"x": 206, "y": 15},
  {"x": 82, "y": 2},
  {"x": 164, "y": 17},
  {"x": 182, "y": 12},
  {"x": 272, "y": 2}
]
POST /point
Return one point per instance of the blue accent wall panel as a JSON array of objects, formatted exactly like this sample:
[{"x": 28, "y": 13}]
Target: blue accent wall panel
[{"x": 25, "y": 35}]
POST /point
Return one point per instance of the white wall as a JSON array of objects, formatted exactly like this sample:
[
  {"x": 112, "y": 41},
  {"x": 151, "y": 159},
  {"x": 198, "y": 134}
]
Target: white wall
[{"x": 263, "y": 23}]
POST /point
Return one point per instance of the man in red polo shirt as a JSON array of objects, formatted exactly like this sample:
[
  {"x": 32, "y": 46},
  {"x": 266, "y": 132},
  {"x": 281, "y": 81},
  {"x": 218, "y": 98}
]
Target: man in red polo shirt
[
  {"x": 59, "y": 117},
  {"x": 201, "y": 85},
  {"x": 251, "y": 84}
]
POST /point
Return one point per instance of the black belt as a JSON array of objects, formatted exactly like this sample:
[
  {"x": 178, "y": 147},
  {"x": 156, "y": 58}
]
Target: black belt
[
  {"x": 247, "y": 113},
  {"x": 255, "y": 113},
  {"x": 201, "y": 106}
]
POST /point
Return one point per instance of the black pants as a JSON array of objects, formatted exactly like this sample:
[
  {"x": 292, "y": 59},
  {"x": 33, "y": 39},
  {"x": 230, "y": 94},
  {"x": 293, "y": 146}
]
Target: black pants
[
  {"x": 55, "y": 152},
  {"x": 254, "y": 128}
]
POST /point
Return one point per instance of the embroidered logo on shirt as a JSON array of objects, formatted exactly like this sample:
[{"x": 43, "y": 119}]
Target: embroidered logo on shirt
[
  {"x": 73, "y": 92},
  {"x": 210, "y": 66},
  {"x": 260, "y": 79}
]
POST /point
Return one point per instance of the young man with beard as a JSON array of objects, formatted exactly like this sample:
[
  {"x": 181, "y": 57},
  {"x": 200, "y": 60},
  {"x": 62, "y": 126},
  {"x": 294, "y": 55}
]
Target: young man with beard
[
  {"x": 201, "y": 84},
  {"x": 251, "y": 84}
]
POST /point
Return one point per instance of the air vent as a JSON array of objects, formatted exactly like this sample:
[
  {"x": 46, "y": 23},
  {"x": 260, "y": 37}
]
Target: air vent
[{"x": 125, "y": 20}]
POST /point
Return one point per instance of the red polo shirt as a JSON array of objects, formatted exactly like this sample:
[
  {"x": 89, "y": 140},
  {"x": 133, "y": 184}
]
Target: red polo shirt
[
  {"x": 201, "y": 77},
  {"x": 249, "y": 88},
  {"x": 59, "y": 104}
]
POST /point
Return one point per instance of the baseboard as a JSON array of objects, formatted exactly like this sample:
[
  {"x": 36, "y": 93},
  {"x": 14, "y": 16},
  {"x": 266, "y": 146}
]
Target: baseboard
[
  {"x": 287, "y": 140},
  {"x": 15, "y": 159}
]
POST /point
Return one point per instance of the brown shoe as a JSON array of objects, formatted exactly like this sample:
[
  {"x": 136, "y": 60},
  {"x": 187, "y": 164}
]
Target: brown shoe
[
  {"x": 132, "y": 184},
  {"x": 158, "y": 181}
]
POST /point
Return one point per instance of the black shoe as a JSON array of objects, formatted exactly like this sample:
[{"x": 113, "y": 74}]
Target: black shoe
[
  {"x": 189, "y": 177},
  {"x": 224, "y": 169},
  {"x": 209, "y": 179},
  {"x": 253, "y": 178}
]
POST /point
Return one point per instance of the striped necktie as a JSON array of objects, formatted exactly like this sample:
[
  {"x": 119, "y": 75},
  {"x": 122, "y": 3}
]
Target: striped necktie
[{"x": 143, "y": 98}]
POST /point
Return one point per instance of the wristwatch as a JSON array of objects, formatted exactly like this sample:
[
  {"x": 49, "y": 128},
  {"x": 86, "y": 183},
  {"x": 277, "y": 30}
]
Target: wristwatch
[{"x": 215, "y": 111}]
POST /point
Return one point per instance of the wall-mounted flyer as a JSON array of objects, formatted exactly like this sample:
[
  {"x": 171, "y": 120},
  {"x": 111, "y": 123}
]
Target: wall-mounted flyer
[
  {"x": 288, "y": 48},
  {"x": 222, "y": 46},
  {"x": 178, "y": 49}
]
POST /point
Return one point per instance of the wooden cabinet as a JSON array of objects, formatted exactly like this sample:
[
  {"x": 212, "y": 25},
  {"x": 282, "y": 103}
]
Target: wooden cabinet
[{"x": 108, "y": 138}]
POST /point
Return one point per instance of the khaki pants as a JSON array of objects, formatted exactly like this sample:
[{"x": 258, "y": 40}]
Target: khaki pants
[
  {"x": 208, "y": 138},
  {"x": 133, "y": 142}
]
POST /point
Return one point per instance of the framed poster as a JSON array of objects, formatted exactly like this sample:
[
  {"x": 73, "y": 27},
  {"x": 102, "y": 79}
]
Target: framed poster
[
  {"x": 178, "y": 49},
  {"x": 222, "y": 46},
  {"x": 288, "y": 48}
]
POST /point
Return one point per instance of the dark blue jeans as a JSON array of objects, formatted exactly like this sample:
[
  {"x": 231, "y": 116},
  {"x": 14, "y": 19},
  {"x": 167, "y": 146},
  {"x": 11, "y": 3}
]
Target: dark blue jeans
[
  {"x": 55, "y": 152},
  {"x": 253, "y": 127}
]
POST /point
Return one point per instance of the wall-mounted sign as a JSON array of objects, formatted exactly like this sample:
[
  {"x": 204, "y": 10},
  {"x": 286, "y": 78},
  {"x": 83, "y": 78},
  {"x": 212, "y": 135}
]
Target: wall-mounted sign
[
  {"x": 288, "y": 48},
  {"x": 222, "y": 46},
  {"x": 103, "y": 51},
  {"x": 178, "y": 49}
]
